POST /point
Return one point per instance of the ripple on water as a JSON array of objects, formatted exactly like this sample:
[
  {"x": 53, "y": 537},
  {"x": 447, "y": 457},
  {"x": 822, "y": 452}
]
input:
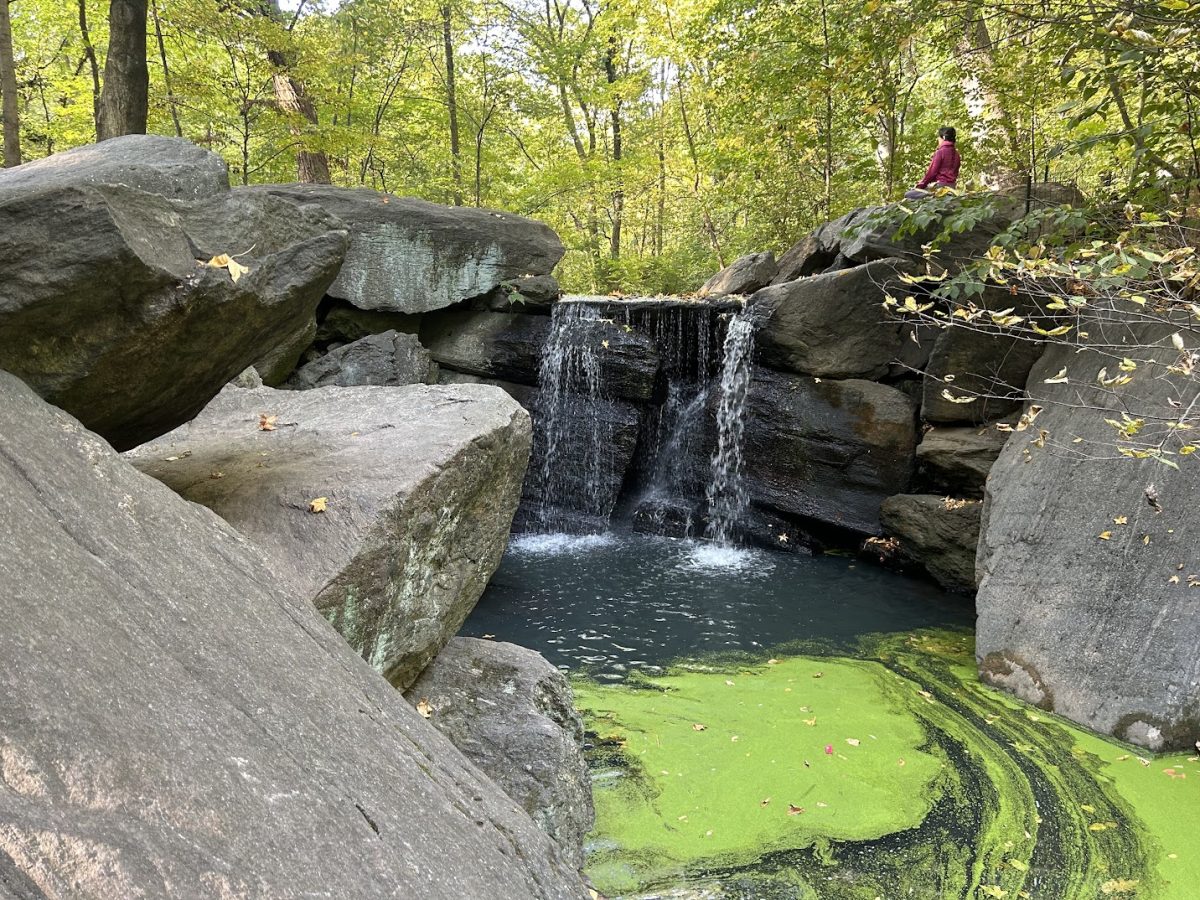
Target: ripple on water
[{"x": 558, "y": 544}]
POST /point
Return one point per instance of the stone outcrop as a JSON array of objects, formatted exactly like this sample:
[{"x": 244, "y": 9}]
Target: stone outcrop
[
  {"x": 831, "y": 325},
  {"x": 110, "y": 311},
  {"x": 169, "y": 167},
  {"x": 177, "y": 722},
  {"x": 743, "y": 276},
  {"x": 529, "y": 294},
  {"x": 1087, "y": 559},
  {"x": 937, "y": 533},
  {"x": 513, "y": 715},
  {"x": 828, "y": 451},
  {"x": 419, "y": 486},
  {"x": 957, "y": 460},
  {"x": 344, "y": 324},
  {"x": 992, "y": 368},
  {"x": 389, "y": 359},
  {"x": 411, "y": 256},
  {"x": 507, "y": 346}
]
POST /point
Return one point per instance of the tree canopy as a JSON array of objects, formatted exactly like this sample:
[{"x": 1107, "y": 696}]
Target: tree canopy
[{"x": 659, "y": 137}]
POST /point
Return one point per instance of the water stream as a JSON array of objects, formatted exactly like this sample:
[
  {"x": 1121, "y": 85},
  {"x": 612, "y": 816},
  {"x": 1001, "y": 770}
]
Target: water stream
[{"x": 766, "y": 726}]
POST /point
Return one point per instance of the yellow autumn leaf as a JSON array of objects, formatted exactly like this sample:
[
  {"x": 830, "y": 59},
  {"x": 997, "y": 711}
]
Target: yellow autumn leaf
[
  {"x": 225, "y": 261},
  {"x": 1120, "y": 520},
  {"x": 1060, "y": 378},
  {"x": 1105, "y": 535},
  {"x": 319, "y": 505},
  {"x": 992, "y": 890},
  {"x": 946, "y": 395},
  {"x": 1019, "y": 865}
]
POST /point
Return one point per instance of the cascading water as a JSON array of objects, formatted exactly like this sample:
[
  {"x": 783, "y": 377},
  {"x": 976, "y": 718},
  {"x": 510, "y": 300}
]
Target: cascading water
[
  {"x": 569, "y": 449},
  {"x": 726, "y": 494}
]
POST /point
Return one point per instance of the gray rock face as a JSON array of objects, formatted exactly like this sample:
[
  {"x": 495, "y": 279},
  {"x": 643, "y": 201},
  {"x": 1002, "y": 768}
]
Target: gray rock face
[
  {"x": 176, "y": 723},
  {"x": 957, "y": 460},
  {"x": 411, "y": 256},
  {"x": 743, "y": 276},
  {"x": 531, "y": 294},
  {"x": 388, "y": 360},
  {"x": 513, "y": 715},
  {"x": 1103, "y": 632},
  {"x": 940, "y": 534},
  {"x": 507, "y": 346},
  {"x": 420, "y": 484},
  {"x": 831, "y": 325},
  {"x": 110, "y": 312},
  {"x": 829, "y": 451},
  {"x": 991, "y": 367},
  {"x": 806, "y": 257},
  {"x": 522, "y": 393},
  {"x": 169, "y": 167},
  {"x": 580, "y": 491}
]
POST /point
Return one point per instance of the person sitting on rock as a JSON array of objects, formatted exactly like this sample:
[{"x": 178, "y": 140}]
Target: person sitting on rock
[{"x": 943, "y": 168}]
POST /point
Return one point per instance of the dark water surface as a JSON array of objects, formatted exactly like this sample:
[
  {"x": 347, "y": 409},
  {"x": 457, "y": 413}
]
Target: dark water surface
[{"x": 610, "y": 603}]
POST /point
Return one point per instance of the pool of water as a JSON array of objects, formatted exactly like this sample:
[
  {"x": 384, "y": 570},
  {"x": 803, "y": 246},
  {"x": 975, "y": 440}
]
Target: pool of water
[
  {"x": 608, "y": 604},
  {"x": 766, "y": 726}
]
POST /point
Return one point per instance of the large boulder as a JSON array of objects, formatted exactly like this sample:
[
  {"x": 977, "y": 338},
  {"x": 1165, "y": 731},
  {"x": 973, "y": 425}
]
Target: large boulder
[
  {"x": 169, "y": 167},
  {"x": 976, "y": 376},
  {"x": 831, "y": 325},
  {"x": 939, "y": 534},
  {"x": 412, "y": 256},
  {"x": 513, "y": 715},
  {"x": 388, "y": 360},
  {"x": 109, "y": 309},
  {"x": 1088, "y": 560},
  {"x": 177, "y": 723},
  {"x": 957, "y": 460},
  {"x": 488, "y": 344},
  {"x": 742, "y": 276},
  {"x": 418, "y": 484},
  {"x": 828, "y": 451}
]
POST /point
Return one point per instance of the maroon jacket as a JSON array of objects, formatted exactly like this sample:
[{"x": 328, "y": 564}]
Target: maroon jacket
[{"x": 943, "y": 168}]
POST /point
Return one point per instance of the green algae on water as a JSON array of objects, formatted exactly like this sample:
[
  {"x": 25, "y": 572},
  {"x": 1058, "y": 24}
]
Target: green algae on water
[{"x": 892, "y": 775}]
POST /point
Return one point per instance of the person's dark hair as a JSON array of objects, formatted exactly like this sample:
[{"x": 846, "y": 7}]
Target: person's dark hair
[{"x": 948, "y": 134}]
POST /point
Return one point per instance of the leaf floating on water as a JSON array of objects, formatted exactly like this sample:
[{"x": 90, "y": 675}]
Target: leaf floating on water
[
  {"x": 1019, "y": 865},
  {"x": 424, "y": 707},
  {"x": 818, "y": 674},
  {"x": 734, "y": 739},
  {"x": 1119, "y": 886},
  {"x": 992, "y": 890},
  {"x": 1145, "y": 762},
  {"x": 765, "y": 801},
  {"x": 853, "y": 742},
  {"x": 821, "y": 805},
  {"x": 728, "y": 682},
  {"x": 318, "y": 505},
  {"x": 772, "y": 662},
  {"x": 829, "y": 749},
  {"x": 1123, "y": 757},
  {"x": 696, "y": 726},
  {"x": 901, "y": 762},
  {"x": 812, "y": 721},
  {"x": 682, "y": 818},
  {"x": 794, "y": 810}
]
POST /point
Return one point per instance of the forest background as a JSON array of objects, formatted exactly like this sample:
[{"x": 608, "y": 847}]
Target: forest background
[{"x": 661, "y": 138}]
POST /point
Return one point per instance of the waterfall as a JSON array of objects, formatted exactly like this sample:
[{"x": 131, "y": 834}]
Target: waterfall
[
  {"x": 569, "y": 448},
  {"x": 726, "y": 493}
]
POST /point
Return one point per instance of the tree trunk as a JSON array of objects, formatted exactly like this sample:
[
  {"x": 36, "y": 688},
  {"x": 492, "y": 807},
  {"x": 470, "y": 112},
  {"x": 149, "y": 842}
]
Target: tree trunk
[
  {"x": 452, "y": 106},
  {"x": 290, "y": 96},
  {"x": 618, "y": 195},
  {"x": 89, "y": 54},
  {"x": 8, "y": 88},
  {"x": 162, "y": 54},
  {"x": 125, "y": 96}
]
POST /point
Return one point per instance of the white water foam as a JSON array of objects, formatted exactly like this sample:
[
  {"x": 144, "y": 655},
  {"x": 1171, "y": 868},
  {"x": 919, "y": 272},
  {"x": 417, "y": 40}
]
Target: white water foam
[
  {"x": 705, "y": 556},
  {"x": 559, "y": 544}
]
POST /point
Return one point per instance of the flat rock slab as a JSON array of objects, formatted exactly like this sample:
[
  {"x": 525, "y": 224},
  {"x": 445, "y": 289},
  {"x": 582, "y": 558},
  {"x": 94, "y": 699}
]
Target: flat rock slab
[
  {"x": 169, "y": 167},
  {"x": 412, "y": 256},
  {"x": 938, "y": 533},
  {"x": 1079, "y": 613},
  {"x": 513, "y": 715},
  {"x": 957, "y": 460},
  {"x": 829, "y": 451},
  {"x": 420, "y": 484},
  {"x": 177, "y": 724},
  {"x": 109, "y": 310}
]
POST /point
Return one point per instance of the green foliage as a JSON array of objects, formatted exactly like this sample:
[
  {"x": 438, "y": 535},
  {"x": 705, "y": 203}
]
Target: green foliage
[{"x": 743, "y": 124}]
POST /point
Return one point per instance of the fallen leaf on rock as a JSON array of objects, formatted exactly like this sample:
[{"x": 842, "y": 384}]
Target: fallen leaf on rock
[
  {"x": 424, "y": 707},
  {"x": 225, "y": 261},
  {"x": 319, "y": 505},
  {"x": 1105, "y": 535},
  {"x": 1120, "y": 520},
  {"x": 794, "y": 810},
  {"x": 266, "y": 422}
]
